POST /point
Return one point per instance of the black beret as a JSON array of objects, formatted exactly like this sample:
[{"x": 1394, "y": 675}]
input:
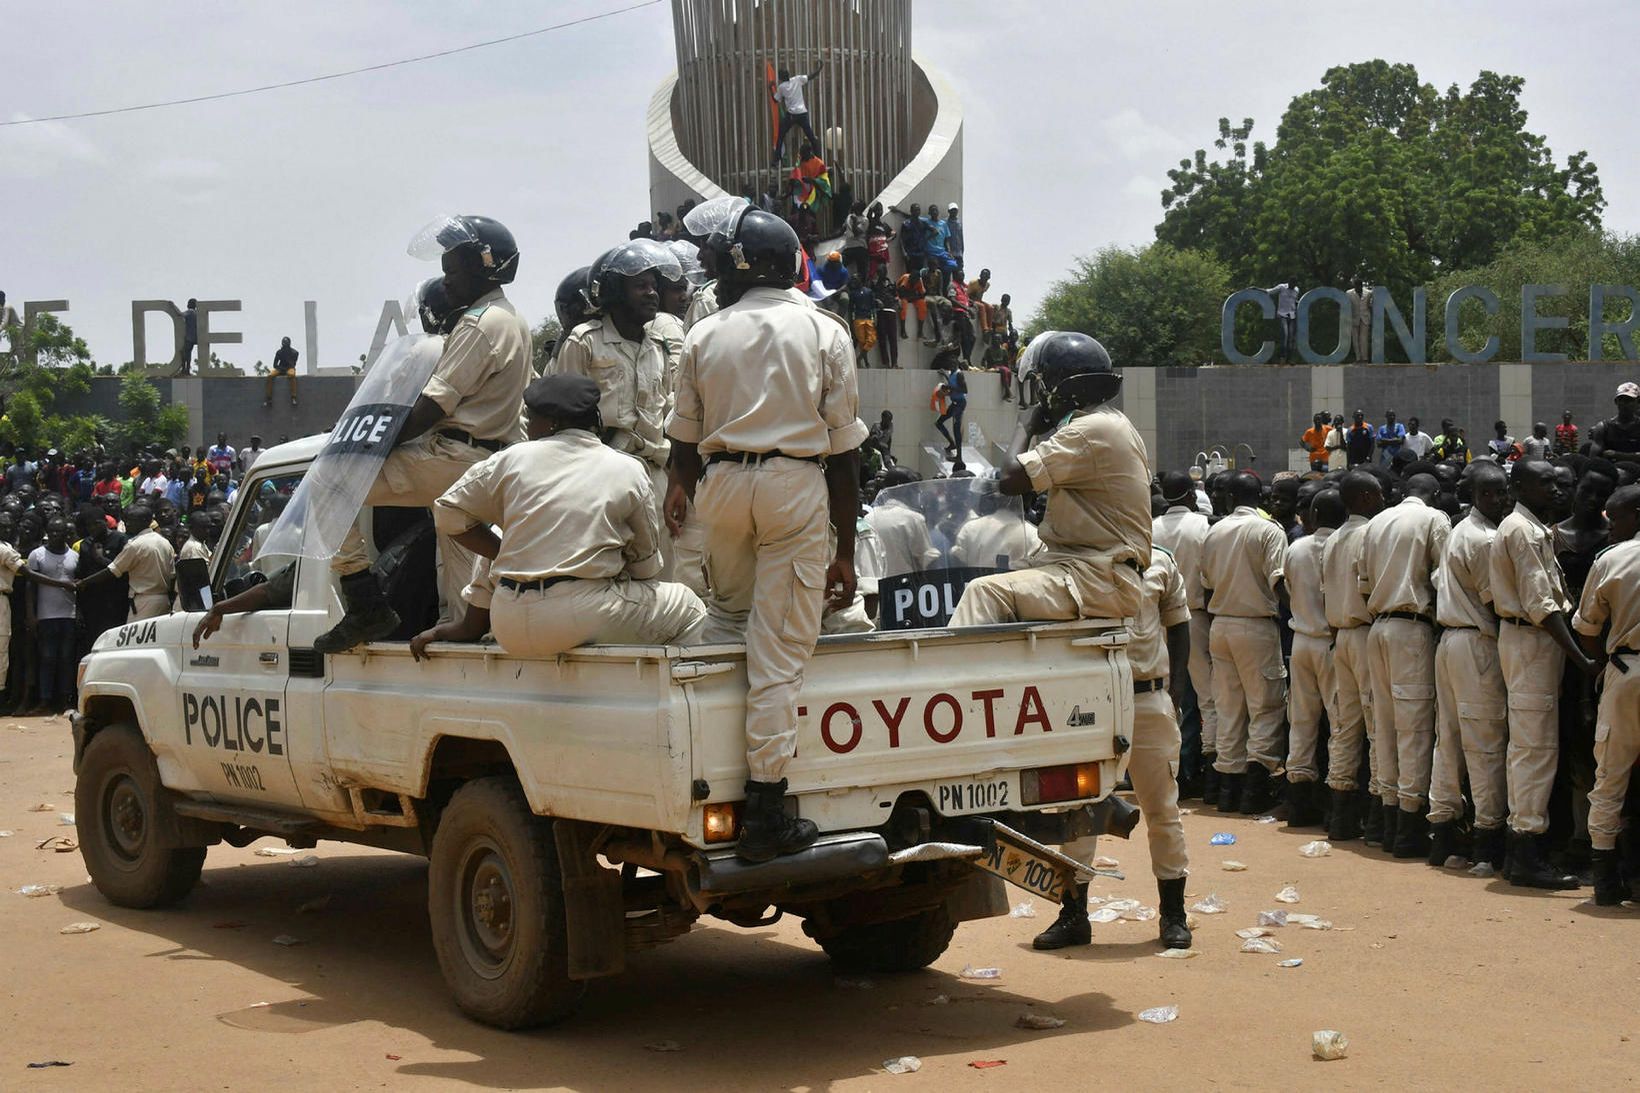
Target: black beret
[{"x": 562, "y": 398}]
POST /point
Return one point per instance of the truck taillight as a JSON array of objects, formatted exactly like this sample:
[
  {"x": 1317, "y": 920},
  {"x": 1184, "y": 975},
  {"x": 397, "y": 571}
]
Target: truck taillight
[
  {"x": 1072, "y": 782},
  {"x": 721, "y": 822}
]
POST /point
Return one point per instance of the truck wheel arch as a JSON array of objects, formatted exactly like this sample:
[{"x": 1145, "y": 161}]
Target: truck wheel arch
[{"x": 102, "y": 710}]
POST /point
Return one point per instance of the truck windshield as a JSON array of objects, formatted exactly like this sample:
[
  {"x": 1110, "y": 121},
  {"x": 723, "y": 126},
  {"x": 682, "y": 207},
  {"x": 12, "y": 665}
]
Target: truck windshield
[{"x": 929, "y": 539}]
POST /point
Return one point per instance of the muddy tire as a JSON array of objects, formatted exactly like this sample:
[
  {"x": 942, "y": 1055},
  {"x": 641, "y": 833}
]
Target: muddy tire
[
  {"x": 495, "y": 898},
  {"x": 118, "y": 806},
  {"x": 904, "y": 945}
]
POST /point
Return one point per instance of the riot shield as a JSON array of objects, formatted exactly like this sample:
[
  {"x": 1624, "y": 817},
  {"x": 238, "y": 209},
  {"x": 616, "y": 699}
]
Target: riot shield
[
  {"x": 328, "y": 500},
  {"x": 936, "y": 536}
]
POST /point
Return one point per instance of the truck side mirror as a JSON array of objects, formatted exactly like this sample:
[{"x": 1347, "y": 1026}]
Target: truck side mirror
[{"x": 193, "y": 577}]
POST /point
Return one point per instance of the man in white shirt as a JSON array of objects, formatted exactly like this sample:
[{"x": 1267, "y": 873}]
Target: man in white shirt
[
  {"x": 794, "y": 111},
  {"x": 249, "y": 454},
  {"x": 1417, "y": 441}
]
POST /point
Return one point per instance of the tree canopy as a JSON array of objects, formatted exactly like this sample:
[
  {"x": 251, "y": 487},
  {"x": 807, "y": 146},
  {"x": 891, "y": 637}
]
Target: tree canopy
[
  {"x": 1376, "y": 174},
  {"x": 1147, "y": 306}
]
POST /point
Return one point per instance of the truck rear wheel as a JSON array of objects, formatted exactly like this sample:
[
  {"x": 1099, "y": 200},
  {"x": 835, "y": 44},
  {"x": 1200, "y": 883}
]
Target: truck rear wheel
[
  {"x": 903, "y": 945},
  {"x": 117, "y": 805},
  {"x": 495, "y": 897}
]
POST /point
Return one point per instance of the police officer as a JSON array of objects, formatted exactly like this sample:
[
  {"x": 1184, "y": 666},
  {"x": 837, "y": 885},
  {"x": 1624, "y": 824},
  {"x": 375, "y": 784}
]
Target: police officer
[
  {"x": 1096, "y": 530},
  {"x": 1160, "y": 638},
  {"x": 1349, "y": 619},
  {"x": 767, "y": 411},
  {"x": 147, "y": 560},
  {"x": 1243, "y": 562},
  {"x": 468, "y": 411},
  {"x": 1181, "y": 530},
  {"x": 1529, "y": 595},
  {"x": 1472, "y": 728},
  {"x": 618, "y": 350},
  {"x": 572, "y": 306},
  {"x": 1311, "y": 688},
  {"x": 579, "y": 548},
  {"x": 1611, "y": 602},
  {"x": 1400, "y": 551}
]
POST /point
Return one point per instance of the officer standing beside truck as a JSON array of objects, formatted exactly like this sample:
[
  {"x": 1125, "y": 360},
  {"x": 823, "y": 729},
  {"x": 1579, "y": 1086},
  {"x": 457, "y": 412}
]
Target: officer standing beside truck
[{"x": 766, "y": 438}]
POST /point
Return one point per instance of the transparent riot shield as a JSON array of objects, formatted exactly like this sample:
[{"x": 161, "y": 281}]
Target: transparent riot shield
[
  {"x": 933, "y": 537},
  {"x": 324, "y": 506}
]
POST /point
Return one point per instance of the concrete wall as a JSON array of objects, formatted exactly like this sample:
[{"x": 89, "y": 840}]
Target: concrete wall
[{"x": 232, "y": 405}]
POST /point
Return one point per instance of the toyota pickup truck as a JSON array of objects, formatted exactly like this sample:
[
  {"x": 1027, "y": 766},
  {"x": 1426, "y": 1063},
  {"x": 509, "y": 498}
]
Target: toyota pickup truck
[{"x": 584, "y": 807}]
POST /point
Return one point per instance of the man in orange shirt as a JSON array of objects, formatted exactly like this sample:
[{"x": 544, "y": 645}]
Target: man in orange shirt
[{"x": 1315, "y": 439}]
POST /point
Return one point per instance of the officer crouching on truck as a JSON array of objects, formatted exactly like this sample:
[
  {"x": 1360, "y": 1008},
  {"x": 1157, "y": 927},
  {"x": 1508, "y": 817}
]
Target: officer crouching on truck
[{"x": 580, "y": 533}]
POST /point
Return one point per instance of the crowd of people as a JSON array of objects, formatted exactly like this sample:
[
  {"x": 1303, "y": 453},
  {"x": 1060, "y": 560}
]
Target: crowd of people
[
  {"x": 90, "y": 541},
  {"x": 1332, "y": 444},
  {"x": 1431, "y": 650}
]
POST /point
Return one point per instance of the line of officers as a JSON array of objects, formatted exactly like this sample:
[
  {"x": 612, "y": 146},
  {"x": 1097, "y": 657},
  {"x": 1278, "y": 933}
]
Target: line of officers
[{"x": 1435, "y": 649}]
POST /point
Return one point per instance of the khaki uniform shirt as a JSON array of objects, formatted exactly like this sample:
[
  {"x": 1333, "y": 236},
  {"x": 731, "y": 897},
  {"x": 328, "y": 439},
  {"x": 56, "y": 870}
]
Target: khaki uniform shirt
[
  {"x": 567, "y": 506},
  {"x": 10, "y": 563},
  {"x": 1526, "y": 580},
  {"x": 902, "y": 537},
  {"x": 1612, "y": 595},
  {"x": 1181, "y": 530},
  {"x": 631, "y": 378},
  {"x": 1164, "y": 605},
  {"x": 703, "y": 303},
  {"x": 480, "y": 377},
  {"x": 1340, "y": 590},
  {"x": 668, "y": 330},
  {"x": 480, "y": 591},
  {"x": 1094, "y": 471},
  {"x": 767, "y": 374},
  {"x": 148, "y": 562},
  {"x": 1464, "y": 597},
  {"x": 1006, "y": 534},
  {"x": 1243, "y": 557},
  {"x": 192, "y": 548},
  {"x": 1303, "y": 568},
  {"x": 1400, "y": 552}
]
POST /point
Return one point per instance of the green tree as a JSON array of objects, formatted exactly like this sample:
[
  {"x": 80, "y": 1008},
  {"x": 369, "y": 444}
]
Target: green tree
[
  {"x": 48, "y": 360},
  {"x": 145, "y": 421},
  {"x": 542, "y": 341},
  {"x": 1375, "y": 174},
  {"x": 1154, "y": 305}
]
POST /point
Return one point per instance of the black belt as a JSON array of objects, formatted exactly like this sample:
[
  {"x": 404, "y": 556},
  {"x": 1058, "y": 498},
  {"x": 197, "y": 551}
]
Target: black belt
[
  {"x": 1617, "y": 656},
  {"x": 1512, "y": 621},
  {"x": 463, "y": 437},
  {"x": 1145, "y": 686},
  {"x": 1410, "y": 616},
  {"x": 1461, "y": 626},
  {"x": 755, "y": 458},
  {"x": 536, "y": 585}
]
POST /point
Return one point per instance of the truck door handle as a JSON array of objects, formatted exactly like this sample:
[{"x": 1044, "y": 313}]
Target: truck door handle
[{"x": 267, "y": 658}]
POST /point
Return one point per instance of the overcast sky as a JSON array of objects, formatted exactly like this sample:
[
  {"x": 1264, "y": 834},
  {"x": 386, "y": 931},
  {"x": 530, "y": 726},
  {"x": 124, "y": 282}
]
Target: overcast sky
[{"x": 1075, "y": 111}]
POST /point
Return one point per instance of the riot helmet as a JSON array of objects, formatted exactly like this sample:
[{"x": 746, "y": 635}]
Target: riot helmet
[
  {"x": 486, "y": 247},
  {"x": 438, "y": 315},
  {"x": 1074, "y": 370},
  {"x": 610, "y": 273},
  {"x": 572, "y": 302},
  {"x": 755, "y": 248}
]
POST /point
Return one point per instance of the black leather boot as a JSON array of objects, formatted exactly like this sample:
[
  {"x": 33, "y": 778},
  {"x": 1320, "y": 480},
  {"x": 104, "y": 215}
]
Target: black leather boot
[
  {"x": 1528, "y": 869},
  {"x": 1255, "y": 789},
  {"x": 368, "y": 616},
  {"x": 1489, "y": 848},
  {"x": 1071, "y": 927},
  {"x": 1411, "y": 834},
  {"x": 1230, "y": 792},
  {"x": 1210, "y": 780},
  {"x": 1391, "y": 814},
  {"x": 766, "y": 832},
  {"x": 1344, "y": 821},
  {"x": 1304, "y": 804},
  {"x": 1372, "y": 812},
  {"x": 1175, "y": 927},
  {"x": 1443, "y": 842},
  {"x": 1609, "y": 889}
]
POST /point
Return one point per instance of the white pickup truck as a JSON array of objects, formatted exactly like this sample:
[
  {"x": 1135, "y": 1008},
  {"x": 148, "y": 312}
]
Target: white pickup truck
[{"x": 580, "y": 808}]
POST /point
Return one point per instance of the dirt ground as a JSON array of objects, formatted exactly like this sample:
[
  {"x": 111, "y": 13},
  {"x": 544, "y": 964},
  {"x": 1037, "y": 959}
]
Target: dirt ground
[{"x": 1439, "y": 980}]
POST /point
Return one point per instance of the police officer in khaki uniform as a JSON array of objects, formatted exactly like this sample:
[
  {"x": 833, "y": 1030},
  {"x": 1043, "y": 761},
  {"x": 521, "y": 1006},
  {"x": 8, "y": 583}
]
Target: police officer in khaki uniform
[
  {"x": 580, "y": 541},
  {"x": 1243, "y": 562},
  {"x": 469, "y": 410},
  {"x": 1311, "y": 687},
  {"x": 147, "y": 560},
  {"x": 619, "y": 351},
  {"x": 1349, "y": 618},
  {"x": 1611, "y": 602},
  {"x": 1181, "y": 530},
  {"x": 1096, "y": 532},
  {"x": 1529, "y": 595},
  {"x": 768, "y": 411},
  {"x": 1472, "y": 727},
  {"x": 1160, "y": 638},
  {"x": 1400, "y": 552}
]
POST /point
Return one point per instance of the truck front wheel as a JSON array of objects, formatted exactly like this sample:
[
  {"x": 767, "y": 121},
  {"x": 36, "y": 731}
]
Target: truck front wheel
[
  {"x": 117, "y": 803},
  {"x": 903, "y": 945},
  {"x": 495, "y": 897}
]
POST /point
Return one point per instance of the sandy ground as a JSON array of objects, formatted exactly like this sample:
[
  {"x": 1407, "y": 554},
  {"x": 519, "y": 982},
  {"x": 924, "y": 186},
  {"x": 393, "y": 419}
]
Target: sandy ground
[{"x": 1440, "y": 980}]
